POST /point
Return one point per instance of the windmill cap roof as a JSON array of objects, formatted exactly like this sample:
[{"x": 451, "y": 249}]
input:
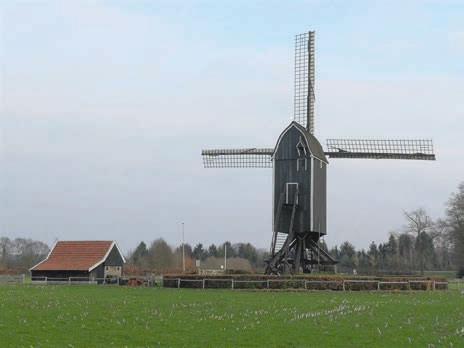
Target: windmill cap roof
[{"x": 314, "y": 145}]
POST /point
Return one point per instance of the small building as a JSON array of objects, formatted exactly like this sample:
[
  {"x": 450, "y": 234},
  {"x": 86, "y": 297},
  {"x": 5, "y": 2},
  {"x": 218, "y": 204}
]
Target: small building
[{"x": 81, "y": 259}]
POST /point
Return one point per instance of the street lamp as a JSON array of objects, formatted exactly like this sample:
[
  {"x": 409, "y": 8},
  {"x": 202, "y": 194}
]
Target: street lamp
[
  {"x": 183, "y": 249},
  {"x": 225, "y": 256}
]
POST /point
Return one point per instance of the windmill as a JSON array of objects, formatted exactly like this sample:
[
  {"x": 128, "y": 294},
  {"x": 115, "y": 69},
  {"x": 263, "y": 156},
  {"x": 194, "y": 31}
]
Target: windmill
[{"x": 299, "y": 165}]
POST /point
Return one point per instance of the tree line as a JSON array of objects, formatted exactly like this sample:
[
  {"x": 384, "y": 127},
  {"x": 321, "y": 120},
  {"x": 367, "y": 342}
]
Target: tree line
[
  {"x": 159, "y": 256},
  {"x": 20, "y": 254},
  {"x": 422, "y": 244}
]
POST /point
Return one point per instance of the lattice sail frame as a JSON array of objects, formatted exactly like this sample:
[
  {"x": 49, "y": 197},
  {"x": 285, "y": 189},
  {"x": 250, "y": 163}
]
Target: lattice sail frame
[
  {"x": 304, "y": 97},
  {"x": 410, "y": 149},
  {"x": 238, "y": 158}
]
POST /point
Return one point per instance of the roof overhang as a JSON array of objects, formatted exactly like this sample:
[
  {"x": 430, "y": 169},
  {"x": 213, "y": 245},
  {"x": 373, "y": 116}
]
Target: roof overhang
[
  {"x": 114, "y": 244},
  {"x": 48, "y": 255}
]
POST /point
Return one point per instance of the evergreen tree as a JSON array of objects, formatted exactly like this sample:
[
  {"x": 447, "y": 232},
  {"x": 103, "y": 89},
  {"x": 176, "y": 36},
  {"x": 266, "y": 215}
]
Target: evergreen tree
[
  {"x": 139, "y": 255},
  {"x": 247, "y": 251},
  {"x": 199, "y": 253},
  {"x": 373, "y": 254},
  {"x": 392, "y": 253},
  {"x": 230, "y": 250},
  {"x": 363, "y": 262},
  {"x": 348, "y": 258},
  {"x": 212, "y": 251}
]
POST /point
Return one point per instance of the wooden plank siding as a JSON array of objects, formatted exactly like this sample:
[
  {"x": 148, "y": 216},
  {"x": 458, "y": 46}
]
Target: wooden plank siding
[{"x": 292, "y": 167}]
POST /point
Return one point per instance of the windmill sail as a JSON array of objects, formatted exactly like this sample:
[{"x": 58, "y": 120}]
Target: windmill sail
[
  {"x": 412, "y": 149},
  {"x": 238, "y": 158},
  {"x": 304, "y": 97}
]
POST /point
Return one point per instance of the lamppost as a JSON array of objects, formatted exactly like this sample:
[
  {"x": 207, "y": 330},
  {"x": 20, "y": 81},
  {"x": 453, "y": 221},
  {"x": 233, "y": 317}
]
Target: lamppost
[
  {"x": 183, "y": 249},
  {"x": 225, "y": 256}
]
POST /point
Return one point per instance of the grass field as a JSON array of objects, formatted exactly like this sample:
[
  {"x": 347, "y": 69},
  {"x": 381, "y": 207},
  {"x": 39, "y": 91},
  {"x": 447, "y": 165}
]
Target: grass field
[{"x": 98, "y": 316}]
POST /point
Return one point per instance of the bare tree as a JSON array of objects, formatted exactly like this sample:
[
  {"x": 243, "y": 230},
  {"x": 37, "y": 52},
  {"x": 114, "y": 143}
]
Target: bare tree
[
  {"x": 420, "y": 224},
  {"x": 455, "y": 225},
  {"x": 5, "y": 250},
  {"x": 406, "y": 250},
  {"x": 21, "y": 253}
]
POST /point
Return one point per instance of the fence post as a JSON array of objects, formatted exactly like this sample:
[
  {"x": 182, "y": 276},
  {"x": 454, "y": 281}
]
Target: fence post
[
  {"x": 203, "y": 283},
  {"x": 24, "y": 278},
  {"x": 46, "y": 280},
  {"x": 268, "y": 284},
  {"x": 306, "y": 284},
  {"x": 433, "y": 285},
  {"x": 378, "y": 286},
  {"x": 232, "y": 283},
  {"x": 344, "y": 285},
  {"x": 69, "y": 280},
  {"x": 178, "y": 283}
]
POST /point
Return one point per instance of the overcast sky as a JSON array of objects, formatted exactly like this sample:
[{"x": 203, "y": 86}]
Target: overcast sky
[{"x": 105, "y": 108}]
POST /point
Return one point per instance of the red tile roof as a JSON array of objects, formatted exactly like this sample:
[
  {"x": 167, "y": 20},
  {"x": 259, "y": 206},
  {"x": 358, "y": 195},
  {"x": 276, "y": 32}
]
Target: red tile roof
[{"x": 74, "y": 256}]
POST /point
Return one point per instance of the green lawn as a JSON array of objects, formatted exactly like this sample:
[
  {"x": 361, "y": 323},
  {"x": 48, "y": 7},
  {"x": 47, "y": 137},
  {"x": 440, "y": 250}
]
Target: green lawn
[{"x": 98, "y": 316}]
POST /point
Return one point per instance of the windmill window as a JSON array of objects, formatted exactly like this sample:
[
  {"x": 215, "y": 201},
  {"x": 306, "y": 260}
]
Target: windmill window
[{"x": 301, "y": 148}]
